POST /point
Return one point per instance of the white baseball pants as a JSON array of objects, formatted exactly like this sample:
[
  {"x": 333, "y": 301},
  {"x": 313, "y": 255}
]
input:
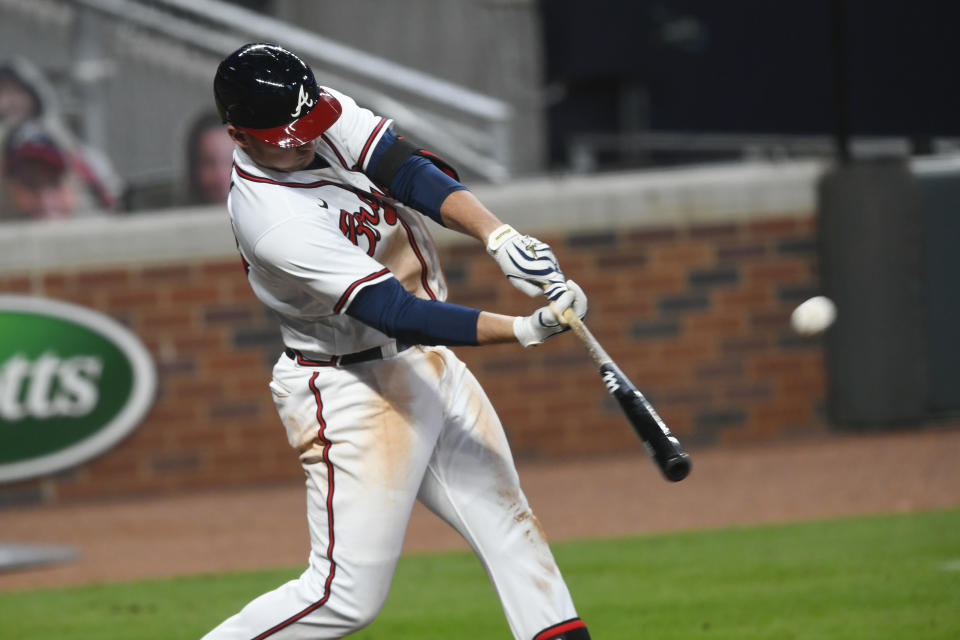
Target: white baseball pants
[{"x": 373, "y": 437}]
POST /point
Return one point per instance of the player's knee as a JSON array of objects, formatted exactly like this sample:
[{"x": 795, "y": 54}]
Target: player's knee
[
  {"x": 364, "y": 605},
  {"x": 364, "y": 614},
  {"x": 345, "y": 609},
  {"x": 345, "y": 615}
]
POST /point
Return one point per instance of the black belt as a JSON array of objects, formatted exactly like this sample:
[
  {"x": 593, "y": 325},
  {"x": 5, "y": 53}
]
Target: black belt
[{"x": 373, "y": 353}]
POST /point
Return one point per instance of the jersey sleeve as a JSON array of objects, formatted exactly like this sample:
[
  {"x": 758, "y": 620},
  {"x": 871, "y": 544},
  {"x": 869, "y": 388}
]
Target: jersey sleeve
[
  {"x": 357, "y": 131},
  {"x": 320, "y": 260},
  {"x": 391, "y": 309}
]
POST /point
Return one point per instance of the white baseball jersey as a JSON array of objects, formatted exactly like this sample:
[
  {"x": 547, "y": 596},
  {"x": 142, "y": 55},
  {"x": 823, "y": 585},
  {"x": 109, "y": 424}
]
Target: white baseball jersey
[
  {"x": 376, "y": 435},
  {"x": 299, "y": 234}
]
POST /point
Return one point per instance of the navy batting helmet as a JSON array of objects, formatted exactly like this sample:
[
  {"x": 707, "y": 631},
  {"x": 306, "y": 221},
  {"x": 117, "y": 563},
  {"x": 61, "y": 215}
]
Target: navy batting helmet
[{"x": 271, "y": 94}]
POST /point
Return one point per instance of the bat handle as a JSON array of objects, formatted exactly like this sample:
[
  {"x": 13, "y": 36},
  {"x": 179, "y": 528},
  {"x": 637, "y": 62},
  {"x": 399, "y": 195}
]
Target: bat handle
[{"x": 576, "y": 325}]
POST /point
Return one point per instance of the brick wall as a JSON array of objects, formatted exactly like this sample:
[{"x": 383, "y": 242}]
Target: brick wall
[{"x": 696, "y": 315}]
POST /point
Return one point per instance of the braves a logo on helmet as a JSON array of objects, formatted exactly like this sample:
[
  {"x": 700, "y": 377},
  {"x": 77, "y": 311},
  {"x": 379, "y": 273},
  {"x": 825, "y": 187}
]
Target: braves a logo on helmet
[
  {"x": 303, "y": 100},
  {"x": 361, "y": 226}
]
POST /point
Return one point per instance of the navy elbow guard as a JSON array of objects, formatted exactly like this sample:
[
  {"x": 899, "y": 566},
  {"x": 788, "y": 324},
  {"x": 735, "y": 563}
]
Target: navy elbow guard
[
  {"x": 392, "y": 151},
  {"x": 413, "y": 176}
]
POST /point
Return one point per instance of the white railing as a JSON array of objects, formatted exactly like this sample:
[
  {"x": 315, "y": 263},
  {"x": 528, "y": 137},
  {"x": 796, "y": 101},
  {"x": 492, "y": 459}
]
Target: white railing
[
  {"x": 335, "y": 54},
  {"x": 470, "y": 128}
]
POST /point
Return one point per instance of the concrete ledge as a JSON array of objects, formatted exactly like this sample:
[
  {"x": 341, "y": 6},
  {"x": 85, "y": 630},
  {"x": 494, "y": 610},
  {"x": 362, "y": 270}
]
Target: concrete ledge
[
  {"x": 557, "y": 204},
  {"x": 104, "y": 240},
  {"x": 724, "y": 193}
]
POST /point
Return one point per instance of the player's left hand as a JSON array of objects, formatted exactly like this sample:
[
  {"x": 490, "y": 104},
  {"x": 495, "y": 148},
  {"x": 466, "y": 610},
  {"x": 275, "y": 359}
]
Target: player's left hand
[
  {"x": 548, "y": 321},
  {"x": 528, "y": 263}
]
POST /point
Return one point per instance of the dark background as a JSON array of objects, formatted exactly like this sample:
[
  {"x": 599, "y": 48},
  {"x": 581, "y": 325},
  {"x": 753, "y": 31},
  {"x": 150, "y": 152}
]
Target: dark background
[{"x": 750, "y": 66}]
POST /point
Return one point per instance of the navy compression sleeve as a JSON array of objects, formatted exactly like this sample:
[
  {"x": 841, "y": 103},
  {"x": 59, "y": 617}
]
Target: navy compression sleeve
[
  {"x": 390, "y": 308},
  {"x": 417, "y": 181}
]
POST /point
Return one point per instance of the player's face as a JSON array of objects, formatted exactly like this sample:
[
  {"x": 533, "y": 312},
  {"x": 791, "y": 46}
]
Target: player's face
[{"x": 271, "y": 157}]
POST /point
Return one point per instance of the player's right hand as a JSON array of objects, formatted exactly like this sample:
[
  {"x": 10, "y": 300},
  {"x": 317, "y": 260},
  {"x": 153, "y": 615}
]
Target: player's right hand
[
  {"x": 548, "y": 321},
  {"x": 528, "y": 263}
]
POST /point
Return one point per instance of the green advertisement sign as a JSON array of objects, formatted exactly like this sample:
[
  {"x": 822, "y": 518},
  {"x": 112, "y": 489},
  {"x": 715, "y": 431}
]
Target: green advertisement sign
[{"x": 73, "y": 383}]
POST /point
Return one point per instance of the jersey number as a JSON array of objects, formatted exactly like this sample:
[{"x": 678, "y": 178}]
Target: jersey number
[{"x": 363, "y": 223}]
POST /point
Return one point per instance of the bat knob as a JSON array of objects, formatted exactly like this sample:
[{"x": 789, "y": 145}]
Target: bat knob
[{"x": 677, "y": 468}]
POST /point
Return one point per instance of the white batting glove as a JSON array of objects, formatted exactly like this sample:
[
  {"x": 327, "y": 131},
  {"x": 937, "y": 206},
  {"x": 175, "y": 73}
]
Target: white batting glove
[
  {"x": 528, "y": 263},
  {"x": 545, "y": 322}
]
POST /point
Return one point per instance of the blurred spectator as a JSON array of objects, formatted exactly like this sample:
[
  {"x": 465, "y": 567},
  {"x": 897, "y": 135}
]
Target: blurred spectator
[
  {"x": 37, "y": 181},
  {"x": 24, "y": 93},
  {"x": 209, "y": 159},
  {"x": 43, "y": 178},
  {"x": 46, "y": 172}
]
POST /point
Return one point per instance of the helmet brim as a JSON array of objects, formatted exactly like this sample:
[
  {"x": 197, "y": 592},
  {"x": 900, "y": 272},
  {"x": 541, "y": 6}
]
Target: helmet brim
[{"x": 304, "y": 129}]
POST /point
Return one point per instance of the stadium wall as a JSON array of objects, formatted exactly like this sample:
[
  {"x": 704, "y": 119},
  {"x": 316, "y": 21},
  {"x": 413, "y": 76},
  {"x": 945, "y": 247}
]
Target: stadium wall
[{"x": 691, "y": 275}]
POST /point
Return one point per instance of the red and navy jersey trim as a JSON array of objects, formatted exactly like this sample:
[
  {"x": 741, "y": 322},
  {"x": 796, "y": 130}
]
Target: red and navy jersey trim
[
  {"x": 424, "y": 273},
  {"x": 349, "y": 291},
  {"x": 369, "y": 142},
  {"x": 563, "y": 627},
  {"x": 325, "y": 456},
  {"x": 246, "y": 175},
  {"x": 336, "y": 152}
]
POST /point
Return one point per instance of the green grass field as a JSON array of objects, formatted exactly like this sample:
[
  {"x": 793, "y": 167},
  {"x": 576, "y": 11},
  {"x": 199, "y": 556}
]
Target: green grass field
[{"x": 895, "y": 577}]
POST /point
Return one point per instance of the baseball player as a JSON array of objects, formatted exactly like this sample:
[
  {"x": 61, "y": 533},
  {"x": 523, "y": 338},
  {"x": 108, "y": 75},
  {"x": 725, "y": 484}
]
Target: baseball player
[{"x": 329, "y": 207}]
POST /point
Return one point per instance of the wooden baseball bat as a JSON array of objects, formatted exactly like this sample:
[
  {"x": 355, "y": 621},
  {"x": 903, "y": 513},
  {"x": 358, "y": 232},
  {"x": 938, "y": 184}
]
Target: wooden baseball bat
[{"x": 660, "y": 443}]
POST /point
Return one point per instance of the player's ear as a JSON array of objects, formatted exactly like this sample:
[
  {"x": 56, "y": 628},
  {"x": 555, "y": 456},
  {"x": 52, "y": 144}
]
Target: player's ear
[{"x": 241, "y": 138}]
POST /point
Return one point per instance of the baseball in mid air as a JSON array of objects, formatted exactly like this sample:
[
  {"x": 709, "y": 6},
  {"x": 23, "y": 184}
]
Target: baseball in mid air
[{"x": 813, "y": 316}]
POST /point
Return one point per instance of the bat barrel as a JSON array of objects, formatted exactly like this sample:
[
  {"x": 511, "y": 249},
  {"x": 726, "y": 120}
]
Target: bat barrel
[
  {"x": 665, "y": 449},
  {"x": 677, "y": 467},
  {"x": 661, "y": 444}
]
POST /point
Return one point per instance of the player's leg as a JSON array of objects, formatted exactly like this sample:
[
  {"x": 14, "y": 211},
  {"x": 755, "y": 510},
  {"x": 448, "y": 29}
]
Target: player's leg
[
  {"x": 472, "y": 483},
  {"x": 364, "y": 456}
]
